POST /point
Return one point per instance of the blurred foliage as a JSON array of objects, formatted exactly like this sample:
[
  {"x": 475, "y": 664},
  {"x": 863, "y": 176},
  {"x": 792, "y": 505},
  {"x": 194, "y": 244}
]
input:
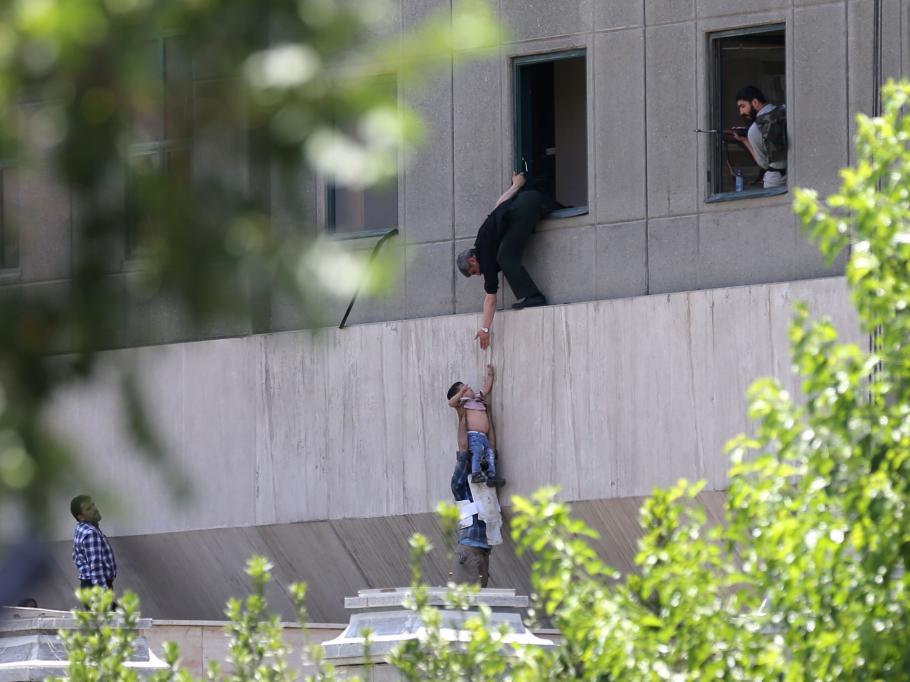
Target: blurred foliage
[{"x": 171, "y": 124}]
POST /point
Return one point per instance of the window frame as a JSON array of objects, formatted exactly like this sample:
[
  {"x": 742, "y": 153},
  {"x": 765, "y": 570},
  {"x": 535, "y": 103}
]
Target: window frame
[
  {"x": 715, "y": 100},
  {"x": 330, "y": 226},
  {"x": 12, "y": 269},
  {"x": 159, "y": 148},
  {"x": 525, "y": 60},
  {"x": 330, "y": 188}
]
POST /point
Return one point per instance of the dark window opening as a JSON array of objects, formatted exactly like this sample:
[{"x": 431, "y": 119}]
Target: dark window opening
[
  {"x": 351, "y": 209},
  {"x": 551, "y": 126},
  {"x": 741, "y": 58},
  {"x": 171, "y": 161},
  {"x": 9, "y": 234}
]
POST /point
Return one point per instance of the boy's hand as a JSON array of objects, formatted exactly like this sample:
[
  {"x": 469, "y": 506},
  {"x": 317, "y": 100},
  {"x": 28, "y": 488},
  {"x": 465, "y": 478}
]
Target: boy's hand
[{"x": 490, "y": 371}]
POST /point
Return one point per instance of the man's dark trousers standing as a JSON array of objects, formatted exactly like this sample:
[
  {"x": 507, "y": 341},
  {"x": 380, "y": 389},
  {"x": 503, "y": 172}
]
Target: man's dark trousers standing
[{"x": 472, "y": 553}]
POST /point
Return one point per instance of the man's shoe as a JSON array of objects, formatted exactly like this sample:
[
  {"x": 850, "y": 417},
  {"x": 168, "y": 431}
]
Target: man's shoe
[
  {"x": 530, "y": 302},
  {"x": 495, "y": 482},
  {"x": 479, "y": 477}
]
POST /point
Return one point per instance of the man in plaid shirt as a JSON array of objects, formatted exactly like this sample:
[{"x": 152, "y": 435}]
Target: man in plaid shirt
[{"x": 92, "y": 552}]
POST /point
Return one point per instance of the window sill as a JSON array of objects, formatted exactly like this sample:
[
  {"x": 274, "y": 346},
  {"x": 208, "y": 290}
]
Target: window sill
[
  {"x": 570, "y": 212},
  {"x": 359, "y": 234},
  {"x": 748, "y": 194},
  {"x": 10, "y": 275},
  {"x": 577, "y": 216}
]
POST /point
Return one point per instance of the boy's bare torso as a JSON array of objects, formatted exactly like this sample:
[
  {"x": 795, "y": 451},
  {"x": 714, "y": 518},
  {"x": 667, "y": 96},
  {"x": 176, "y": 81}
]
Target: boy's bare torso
[{"x": 476, "y": 420}]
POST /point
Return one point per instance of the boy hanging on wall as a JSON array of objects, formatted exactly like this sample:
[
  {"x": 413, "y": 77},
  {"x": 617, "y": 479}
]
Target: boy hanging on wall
[{"x": 472, "y": 407}]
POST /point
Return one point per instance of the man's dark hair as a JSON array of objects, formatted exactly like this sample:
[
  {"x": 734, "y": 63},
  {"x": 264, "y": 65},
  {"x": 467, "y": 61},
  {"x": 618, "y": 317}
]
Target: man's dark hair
[
  {"x": 455, "y": 388},
  {"x": 461, "y": 261},
  {"x": 750, "y": 92},
  {"x": 76, "y": 505}
]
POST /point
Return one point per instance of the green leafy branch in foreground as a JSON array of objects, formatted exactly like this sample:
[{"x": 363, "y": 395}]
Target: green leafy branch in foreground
[{"x": 808, "y": 579}]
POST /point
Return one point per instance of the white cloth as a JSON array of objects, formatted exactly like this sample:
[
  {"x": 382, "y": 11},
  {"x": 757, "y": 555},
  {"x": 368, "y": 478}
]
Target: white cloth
[{"x": 488, "y": 510}]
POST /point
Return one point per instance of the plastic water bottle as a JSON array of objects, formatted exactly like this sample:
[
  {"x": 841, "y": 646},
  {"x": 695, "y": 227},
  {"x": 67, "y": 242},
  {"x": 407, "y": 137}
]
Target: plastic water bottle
[{"x": 740, "y": 180}]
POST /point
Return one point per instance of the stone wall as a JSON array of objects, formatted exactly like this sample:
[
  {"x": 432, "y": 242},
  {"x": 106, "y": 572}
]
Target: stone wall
[{"x": 605, "y": 400}]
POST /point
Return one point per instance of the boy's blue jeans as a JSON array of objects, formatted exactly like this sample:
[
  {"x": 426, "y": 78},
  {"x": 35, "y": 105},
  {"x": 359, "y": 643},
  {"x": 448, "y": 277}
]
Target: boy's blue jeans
[{"x": 479, "y": 444}]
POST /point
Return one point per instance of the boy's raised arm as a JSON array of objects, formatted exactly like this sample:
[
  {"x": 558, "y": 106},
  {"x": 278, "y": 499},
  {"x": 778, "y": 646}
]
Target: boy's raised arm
[
  {"x": 488, "y": 386},
  {"x": 456, "y": 399}
]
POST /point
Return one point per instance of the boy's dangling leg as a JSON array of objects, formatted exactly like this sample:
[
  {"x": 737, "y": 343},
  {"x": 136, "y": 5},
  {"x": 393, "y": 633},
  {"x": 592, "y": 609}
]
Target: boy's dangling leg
[
  {"x": 476, "y": 447},
  {"x": 493, "y": 479}
]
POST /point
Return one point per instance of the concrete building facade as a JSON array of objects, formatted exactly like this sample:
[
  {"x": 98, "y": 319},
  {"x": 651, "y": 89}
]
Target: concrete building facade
[{"x": 326, "y": 449}]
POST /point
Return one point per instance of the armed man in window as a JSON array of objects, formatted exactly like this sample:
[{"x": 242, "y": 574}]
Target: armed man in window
[
  {"x": 766, "y": 139},
  {"x": 500, "y": 245}
]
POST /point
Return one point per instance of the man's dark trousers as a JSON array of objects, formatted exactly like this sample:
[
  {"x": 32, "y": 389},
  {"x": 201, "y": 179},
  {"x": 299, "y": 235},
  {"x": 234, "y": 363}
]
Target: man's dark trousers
[
  {"x": 525, "y": 212},
  {"x": 472, "y": 566},
  {"x": 83, "y": 584}
]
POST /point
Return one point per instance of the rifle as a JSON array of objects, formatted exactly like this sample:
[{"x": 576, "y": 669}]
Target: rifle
[{"x": 736, "y": 130}]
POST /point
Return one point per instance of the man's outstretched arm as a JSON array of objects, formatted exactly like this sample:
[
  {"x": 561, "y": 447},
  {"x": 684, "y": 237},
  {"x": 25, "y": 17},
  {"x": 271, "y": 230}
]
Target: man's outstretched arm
[{"x": 489, "y": 310}]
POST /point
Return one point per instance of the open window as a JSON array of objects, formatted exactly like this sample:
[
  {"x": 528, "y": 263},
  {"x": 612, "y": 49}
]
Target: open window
[
  {"x": 756, "y": 57},
  {"x": 160, "y": 129},
  {"x": 9, "y": 234},
  {"x": 551, "y": 126},
  {"x": 363, "y": 212}
]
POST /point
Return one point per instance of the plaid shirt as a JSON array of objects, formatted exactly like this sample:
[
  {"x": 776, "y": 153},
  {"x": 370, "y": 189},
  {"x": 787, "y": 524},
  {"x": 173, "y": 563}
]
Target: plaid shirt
[
  {"x": 474, "y": 535},
  {"x": 93, "y": 555}
]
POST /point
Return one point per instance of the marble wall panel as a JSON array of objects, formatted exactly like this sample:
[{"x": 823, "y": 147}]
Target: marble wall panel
[
  {"x": 810, "y": 262},
  {"x": 293, "y": 201},
  {"x": 820, "y": 127},
  {"x": 621, "y": 260},
  {"x": 428, "y": 184},
  {"x": 561, "y": 262},
  {"x": 618, "y": 14},
  {"x": 40, "y": 209},
  {"x": 673, "y": 254},
  {"x": 619, "y": 125},
  {"x": 716, "y": 8},
  {"x": 745, "y": 247},
  {"x": 430, "y": 279},
  {"x": 671, "y": 114},
  {"x": 529, "y": 19},
  {"x": 667, "y": 11},
  {"x": 861, "y": 59},
  {"x": 479, "y": 179}
]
